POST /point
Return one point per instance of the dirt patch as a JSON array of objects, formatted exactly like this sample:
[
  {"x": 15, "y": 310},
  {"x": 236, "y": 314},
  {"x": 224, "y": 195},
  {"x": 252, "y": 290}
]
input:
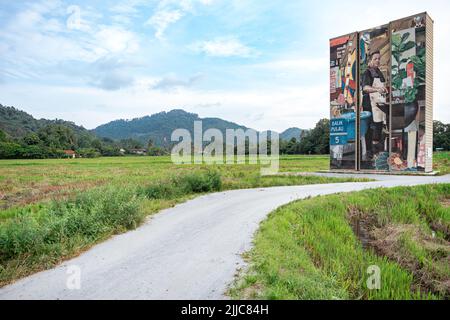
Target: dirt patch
[
  {"x": 390, "y": 242},
  {"x": 44, "y": 192},
  {"x": 252, "y": 292},
  {"x": 445, "y": 202},
  {"x": 362, "y": 225},
  {"x": 398, "y": 242},
  {"x": 439, "y": 225}
]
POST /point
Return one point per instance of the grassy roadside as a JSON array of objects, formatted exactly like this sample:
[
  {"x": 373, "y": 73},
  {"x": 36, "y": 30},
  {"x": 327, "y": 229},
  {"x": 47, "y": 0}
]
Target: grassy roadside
[
  {"x": 25, "y": 182},
  {"x": 39, "y": 236},
  {"x": 321, "y": 248},
  {"x": 441, "y": 162}
]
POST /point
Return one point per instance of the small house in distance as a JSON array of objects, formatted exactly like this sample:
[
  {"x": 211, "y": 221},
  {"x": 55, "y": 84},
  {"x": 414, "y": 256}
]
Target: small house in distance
[
  {"x": 70, "y": 153},
  {"x": 139, "y": 152}
]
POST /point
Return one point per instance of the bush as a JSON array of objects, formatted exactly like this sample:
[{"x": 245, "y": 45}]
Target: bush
[
  {"x": 108, "y": 151},
  {"x": 88, "y": 153},
  {"x": 197, "y": 182},
  {"x": 156, "y": 151},
  {"x": 200, "y": 182},
  {"x": 21, "y": 236},
  {"x": 41, "y": 236},
  {"x": 9, "y": 150},
  {"x": 33, "y": 152},
  {"x": 162, "y": 190},
  {"x": 89, "y": 217}
]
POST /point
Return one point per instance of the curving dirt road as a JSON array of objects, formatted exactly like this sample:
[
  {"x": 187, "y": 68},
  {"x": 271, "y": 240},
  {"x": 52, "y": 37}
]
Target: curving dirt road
[{"x": 191, "y": 251}]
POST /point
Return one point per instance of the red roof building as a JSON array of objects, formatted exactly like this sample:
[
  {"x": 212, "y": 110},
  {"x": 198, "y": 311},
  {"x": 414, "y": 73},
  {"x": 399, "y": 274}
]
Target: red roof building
[{"x": 70, "y": 153}]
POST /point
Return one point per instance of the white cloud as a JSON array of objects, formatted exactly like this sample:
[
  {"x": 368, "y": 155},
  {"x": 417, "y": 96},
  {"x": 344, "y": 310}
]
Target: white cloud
[
  {"x": 169, "y": 12},
  {"x": 172, "y": 82},
  {"x": 36, "y": 36},
  {"x": 162, "y": 19},
  {"x": 112, "y": 80},
  {"x": 113, "y": 39},
  {"x": 295, "y": 65},
  {"x": 37, "y": 40},
  {"x": 111, "y": 73},
  {"x": 126, "y": 7},
  {"x": 207, "y": 2},
  {"x": 224, "y": 47},
  {"x": 289, "y": 89},
  {"x": 281, "y": 108}
]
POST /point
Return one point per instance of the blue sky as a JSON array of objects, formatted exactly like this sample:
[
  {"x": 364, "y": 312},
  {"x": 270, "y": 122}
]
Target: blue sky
[{"x": 263, "y": 64}]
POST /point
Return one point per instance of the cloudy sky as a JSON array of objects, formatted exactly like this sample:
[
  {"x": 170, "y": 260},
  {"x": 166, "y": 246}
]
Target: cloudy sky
[{"x": 263, "y": 64}]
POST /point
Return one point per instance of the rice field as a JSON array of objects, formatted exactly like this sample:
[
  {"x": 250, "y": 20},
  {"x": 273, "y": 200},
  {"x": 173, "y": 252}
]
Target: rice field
[
  {"x": 25, "y": 182},
  {"x": 51, "y": 210},
  {"x": 329, "y": 248}
]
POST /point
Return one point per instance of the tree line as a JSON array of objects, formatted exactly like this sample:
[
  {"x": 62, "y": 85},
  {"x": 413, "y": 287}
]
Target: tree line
[
  {"x": 316, "y": 141},
  {"x": 52, "y": 140},
  {"x": 441, "y": 136}
]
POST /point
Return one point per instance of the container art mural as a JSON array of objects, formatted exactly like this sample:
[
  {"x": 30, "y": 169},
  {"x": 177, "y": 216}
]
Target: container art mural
[
  {"x": 343, "y": 87},
  {"x": 381, "y": 97}
]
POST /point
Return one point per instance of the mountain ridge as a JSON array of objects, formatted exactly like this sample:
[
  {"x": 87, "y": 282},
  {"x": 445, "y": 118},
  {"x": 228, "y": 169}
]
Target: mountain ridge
[
  {"x": 159, "y": 127},
  {"x": 18, "y": 123}
]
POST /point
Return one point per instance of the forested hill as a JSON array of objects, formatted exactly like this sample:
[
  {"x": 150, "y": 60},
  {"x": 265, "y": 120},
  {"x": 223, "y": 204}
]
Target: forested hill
[
  {"x": 160, "y": 126},
  {"x": 290, "y": 133},
  {"x": 23, "y": 136},
  {"x": 18, "y": 123}
]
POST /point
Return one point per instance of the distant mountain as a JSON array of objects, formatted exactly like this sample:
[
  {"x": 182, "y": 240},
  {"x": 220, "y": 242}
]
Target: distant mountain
[
  {"x": 160, "y": 126},
  {"x": 24, "y": 137},
  {"x": 290, "y": 133},
  {"x": 17, "y": 123}
]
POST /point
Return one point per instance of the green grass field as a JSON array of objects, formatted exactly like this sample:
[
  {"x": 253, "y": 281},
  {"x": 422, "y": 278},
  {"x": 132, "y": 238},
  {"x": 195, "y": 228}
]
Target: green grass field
[
  {"x": 51, "y": 210},
  {"x": 29, "y": 181},
  {"x": 54, "y": 209},
  {"x": 321, "y": 248},
  {"x": 441, "y": 162}
]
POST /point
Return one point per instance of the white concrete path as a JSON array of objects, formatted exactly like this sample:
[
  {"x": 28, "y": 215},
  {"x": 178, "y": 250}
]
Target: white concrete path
[{"x": 191, "y": 251}]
